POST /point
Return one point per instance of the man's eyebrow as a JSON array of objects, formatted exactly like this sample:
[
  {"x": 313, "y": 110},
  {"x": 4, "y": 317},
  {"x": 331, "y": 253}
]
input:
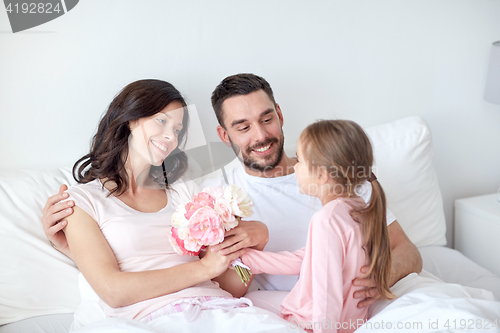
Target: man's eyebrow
[
  {"x": 264, "y": 113},
  {"x": 268, "y": 111},
  {"x": 237, "y": 122}
]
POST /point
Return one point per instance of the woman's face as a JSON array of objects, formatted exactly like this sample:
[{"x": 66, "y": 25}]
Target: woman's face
[{"x": 153, "y": 138}]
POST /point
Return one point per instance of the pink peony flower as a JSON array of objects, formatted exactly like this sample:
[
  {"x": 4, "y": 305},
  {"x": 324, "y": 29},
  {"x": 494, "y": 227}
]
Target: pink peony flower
[
  {"x": 214, "y": 192},
  {"x": 205, "y": 227},
  {"x": 178, "y": 244},
  {"x": 190, "y": 244},
  {"x": 199, "y": 201},
  {"x": 203, "y": 221}
]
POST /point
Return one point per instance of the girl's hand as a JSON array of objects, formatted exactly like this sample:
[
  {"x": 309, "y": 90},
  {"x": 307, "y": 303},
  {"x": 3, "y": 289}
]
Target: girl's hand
[{"x": 217, "y": 263}]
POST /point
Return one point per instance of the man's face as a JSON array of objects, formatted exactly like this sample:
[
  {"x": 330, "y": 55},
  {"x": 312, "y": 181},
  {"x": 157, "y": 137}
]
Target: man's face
[{"x": 254, "y": 129}]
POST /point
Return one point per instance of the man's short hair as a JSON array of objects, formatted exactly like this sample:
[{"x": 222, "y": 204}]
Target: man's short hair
[{"x": 234, "y": 85}]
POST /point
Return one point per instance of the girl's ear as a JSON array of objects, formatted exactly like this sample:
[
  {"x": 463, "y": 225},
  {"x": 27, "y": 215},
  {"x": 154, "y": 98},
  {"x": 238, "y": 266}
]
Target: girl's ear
[{"x": 322, "y": 175}]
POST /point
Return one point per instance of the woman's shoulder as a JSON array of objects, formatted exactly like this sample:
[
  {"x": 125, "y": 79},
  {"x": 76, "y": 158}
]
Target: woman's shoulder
[
  {"x": 90, "y": 186},
  {"x": 91, "y": 190}
]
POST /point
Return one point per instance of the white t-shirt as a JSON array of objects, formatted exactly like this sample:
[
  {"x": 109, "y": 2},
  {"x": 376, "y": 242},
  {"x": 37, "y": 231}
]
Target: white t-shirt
[{"x": 286, "y": 212}]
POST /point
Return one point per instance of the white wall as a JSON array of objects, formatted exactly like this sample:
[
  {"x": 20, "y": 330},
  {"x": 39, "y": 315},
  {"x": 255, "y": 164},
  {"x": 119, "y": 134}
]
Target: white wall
[{"x": 370, "y": 61}]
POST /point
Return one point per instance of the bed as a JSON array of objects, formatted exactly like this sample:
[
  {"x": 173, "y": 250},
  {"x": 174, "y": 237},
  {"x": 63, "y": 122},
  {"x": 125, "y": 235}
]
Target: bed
[{"x": 39, "y": 286}]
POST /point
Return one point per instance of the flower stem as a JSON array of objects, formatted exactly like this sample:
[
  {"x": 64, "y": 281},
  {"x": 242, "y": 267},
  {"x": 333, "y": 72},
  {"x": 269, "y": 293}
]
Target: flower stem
[{"x": 243, "y": 273}]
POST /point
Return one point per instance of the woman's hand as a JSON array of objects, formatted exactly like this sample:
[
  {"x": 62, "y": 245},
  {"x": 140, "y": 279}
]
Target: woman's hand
[{"x": 217, "y": 263}]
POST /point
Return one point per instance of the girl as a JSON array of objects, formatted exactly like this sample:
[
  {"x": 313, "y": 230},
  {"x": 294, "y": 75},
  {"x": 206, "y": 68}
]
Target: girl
[
  {"x": 129, "y": 185},
  {"x": 334, "y": 158}
]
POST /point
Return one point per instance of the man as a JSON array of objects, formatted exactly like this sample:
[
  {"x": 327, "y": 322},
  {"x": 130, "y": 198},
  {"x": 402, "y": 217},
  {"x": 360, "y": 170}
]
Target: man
[{"x": 250, "y": 121}]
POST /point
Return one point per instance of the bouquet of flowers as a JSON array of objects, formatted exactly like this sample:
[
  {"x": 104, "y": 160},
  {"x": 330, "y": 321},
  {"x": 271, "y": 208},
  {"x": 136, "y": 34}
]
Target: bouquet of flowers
[{"x": 204, "y": 220}]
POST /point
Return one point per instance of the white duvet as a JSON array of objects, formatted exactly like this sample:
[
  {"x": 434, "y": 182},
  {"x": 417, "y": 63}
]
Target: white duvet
[{"x": 424, "y": 304}]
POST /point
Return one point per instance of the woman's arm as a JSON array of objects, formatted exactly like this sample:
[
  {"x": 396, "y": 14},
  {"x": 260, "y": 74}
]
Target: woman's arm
[
  {"x": 248, "y": 234},
  {"x": 231, "y": 282},
  {"x": 96, "y": 261}
]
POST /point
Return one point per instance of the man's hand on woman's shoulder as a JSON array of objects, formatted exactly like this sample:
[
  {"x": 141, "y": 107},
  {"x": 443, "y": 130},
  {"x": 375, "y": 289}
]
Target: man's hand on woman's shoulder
[{"x": 53, "y": 220}]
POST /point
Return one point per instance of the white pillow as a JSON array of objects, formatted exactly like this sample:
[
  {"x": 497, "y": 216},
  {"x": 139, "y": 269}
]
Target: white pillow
[
  {"x": 35, "y": 279},
  {"x": 403, "y": 159}
]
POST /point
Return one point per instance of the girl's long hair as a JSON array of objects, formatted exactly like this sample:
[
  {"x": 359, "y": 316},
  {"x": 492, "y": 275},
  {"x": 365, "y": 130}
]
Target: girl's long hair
[
  {"x": 343, "y": 148},
  {"x": 109, "y": 149}
]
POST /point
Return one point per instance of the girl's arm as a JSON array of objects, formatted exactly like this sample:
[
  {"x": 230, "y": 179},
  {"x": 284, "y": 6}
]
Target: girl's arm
[
  {"x": 279, "y": 263},
  {"x": 96, "y": 261}
]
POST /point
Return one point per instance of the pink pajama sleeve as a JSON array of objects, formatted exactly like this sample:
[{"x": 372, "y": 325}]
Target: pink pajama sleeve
[{"x": 278, "y": 263}]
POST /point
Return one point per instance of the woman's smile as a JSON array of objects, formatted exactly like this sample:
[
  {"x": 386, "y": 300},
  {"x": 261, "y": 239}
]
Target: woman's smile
[{"x": 163, "y": 146}]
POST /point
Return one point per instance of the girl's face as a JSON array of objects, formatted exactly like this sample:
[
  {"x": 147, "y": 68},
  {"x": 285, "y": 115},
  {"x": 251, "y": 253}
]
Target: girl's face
[
  {"x": 305, "y": 177},
  {"x": 153, "y": 138}
]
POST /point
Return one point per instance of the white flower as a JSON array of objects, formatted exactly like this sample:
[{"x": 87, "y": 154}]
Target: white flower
[
  {"x": 223, "y": 208},
  {"x": 239, "y": 200},
  {"x": 178, "y": 218}
]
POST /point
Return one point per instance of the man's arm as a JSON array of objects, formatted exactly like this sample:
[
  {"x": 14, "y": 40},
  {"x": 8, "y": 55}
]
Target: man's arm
[
  {"x": 405, "y": 257},
  {"x": 252, "y": 234},
  {"x": 53, "y": 220}
]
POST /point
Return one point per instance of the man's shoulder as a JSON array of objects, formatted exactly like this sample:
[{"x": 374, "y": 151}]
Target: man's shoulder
[
  {"x": 216, "y": 179},
  {"x": 234, "y": 171},
  {"x": 231, "y": 173}
]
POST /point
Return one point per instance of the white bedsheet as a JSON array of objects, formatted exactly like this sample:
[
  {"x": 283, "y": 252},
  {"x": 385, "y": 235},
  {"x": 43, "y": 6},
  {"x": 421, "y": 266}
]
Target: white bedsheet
[
  {"x": 251, "y": 319},
  {"x": 427, "y": 305},
  {"x": 448, "y": 264},
  {"x": 453, "y": 267},
  {"x": 424, "y": 304}
]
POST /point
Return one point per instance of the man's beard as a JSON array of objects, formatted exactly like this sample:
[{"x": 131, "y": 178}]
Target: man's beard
[{"x": 270, "y": 161}]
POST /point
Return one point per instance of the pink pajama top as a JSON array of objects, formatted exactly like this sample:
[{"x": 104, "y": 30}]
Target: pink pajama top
[{"x": 322, "y": 300}]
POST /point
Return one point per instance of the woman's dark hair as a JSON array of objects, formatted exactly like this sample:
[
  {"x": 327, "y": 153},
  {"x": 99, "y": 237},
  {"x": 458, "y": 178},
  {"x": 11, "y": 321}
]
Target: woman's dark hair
[{"x": 109, "y": 149}]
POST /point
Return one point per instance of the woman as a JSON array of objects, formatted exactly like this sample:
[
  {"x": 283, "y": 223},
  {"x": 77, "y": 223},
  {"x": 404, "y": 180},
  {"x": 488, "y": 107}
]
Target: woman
[{"x": 129, "y": 186}]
